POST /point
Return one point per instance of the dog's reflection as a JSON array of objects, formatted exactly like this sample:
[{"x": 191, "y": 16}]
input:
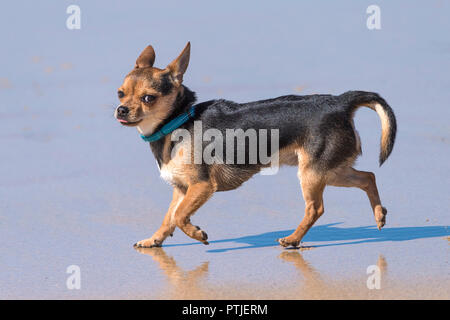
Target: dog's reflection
[
  {"x": 382, "y": 264},
  {"x": 183, "y": 284},
  {"x": 314, "y": 286},
  {"x": 311, "y": 276},
  {"x": 191, "y": 284}
]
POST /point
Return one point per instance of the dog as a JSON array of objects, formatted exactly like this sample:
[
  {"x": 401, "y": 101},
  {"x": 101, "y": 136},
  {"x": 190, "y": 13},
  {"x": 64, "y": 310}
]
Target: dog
[{"x": 316, "y": 133}]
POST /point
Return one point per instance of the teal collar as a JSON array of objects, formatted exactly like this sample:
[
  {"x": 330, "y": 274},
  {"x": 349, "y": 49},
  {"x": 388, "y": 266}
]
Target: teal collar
[{"x": 170, "y": 126}]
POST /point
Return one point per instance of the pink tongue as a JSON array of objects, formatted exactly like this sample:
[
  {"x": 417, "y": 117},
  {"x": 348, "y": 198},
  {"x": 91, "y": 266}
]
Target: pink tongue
[{"x": 120, "y": 120}]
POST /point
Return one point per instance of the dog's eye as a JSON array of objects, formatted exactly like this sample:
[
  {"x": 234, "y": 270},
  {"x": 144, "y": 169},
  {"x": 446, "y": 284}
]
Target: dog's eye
[
  {"x": 120, "y": 94},
  {"x": 148, "y": 98}
]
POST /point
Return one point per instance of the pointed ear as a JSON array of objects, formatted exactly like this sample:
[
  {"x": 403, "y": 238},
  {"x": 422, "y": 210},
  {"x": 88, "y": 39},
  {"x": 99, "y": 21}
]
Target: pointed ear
[
  {"x": 178, "y": 66},
  {"x": 146, "y": 59}
]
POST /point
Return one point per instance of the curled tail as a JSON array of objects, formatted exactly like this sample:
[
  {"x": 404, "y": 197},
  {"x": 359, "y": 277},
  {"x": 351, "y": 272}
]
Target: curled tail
[{"x": 373, "y": 101}]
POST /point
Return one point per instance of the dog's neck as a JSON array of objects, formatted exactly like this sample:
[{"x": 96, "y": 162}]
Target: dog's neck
[{"x": 185, "y": 99}]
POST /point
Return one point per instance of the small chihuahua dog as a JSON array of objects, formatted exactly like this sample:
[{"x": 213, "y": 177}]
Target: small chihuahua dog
[{"x": 316, "y": 134}]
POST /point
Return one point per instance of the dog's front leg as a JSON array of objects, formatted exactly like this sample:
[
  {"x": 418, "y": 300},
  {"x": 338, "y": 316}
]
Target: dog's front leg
[
  {"x": 196, "y": 195},
  {"x": 168, "y": 226}
]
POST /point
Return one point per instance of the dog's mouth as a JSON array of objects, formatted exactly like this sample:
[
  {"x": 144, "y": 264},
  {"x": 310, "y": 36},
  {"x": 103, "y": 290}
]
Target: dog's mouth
[{"x": 129, "y": 123}]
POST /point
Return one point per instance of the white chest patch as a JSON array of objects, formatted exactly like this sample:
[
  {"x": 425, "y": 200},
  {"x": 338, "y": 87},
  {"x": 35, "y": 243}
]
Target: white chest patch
[{"x": 166, "y": 175}]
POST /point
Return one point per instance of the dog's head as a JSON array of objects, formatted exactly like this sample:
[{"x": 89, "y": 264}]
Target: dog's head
[{"x": 148, "y": 94}]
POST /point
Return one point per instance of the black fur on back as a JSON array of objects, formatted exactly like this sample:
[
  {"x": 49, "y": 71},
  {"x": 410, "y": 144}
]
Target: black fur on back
[{"x": 321, "y": 124}]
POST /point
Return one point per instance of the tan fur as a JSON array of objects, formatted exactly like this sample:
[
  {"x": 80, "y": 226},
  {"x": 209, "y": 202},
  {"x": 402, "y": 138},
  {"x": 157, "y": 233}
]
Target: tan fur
[
  {"x": 385, "y": 126},
  {"x": 313, "y": 183},
  {"x": 347, "y": 176},
  {"x": 178, "y": 169},
  {"x": 138, "y": 83},
  {"x": 168, "y": 226},
  {"x": 289, "y": 155},
  {"x": 147, "y": 116},
  {"x": 191, "y": 192},
  {"x": 196, "y": 195}
]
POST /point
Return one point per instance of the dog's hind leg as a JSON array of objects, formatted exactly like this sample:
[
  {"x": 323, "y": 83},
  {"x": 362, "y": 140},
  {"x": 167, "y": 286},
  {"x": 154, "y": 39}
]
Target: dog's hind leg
[
  {"x": 350, "y": 177},
  {"x": 168, "y": 226},
  {"x": 196, "y": 195},
  {"x": 313, "y": 185}
]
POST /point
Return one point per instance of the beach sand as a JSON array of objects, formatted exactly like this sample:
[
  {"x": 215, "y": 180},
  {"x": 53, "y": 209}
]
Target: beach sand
[{"x": 76, "y": 188}]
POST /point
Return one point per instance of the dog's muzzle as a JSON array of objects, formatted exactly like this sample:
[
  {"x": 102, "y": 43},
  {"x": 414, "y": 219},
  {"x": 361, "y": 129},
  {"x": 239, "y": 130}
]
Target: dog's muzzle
[{"x": 122, "y": 113}]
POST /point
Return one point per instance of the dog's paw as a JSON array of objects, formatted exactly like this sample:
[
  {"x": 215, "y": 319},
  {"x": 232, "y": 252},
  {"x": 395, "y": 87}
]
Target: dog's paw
[
  {"x": 148, "y": 243},
  {"x": 201, "y": 235},
  {"x": 380, "y": 216},
  {"x": 287, "y": 242}
]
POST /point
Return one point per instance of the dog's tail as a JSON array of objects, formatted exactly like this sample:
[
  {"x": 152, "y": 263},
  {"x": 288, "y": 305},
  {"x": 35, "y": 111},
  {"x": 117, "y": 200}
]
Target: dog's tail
[{"x": 356, "y": 99}]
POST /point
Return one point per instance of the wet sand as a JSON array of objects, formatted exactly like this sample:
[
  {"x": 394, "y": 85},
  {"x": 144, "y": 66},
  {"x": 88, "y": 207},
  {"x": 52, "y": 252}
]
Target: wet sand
[
  {"x": 76, "y": 188},
  {"x": 308, "y": 283}
]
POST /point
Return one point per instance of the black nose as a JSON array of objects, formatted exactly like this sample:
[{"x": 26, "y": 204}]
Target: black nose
[{"x": 122, "y": 111}]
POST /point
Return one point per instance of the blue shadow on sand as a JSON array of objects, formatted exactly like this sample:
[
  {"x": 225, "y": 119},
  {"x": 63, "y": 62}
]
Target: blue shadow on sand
[{"x": 330, "y": 233}]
